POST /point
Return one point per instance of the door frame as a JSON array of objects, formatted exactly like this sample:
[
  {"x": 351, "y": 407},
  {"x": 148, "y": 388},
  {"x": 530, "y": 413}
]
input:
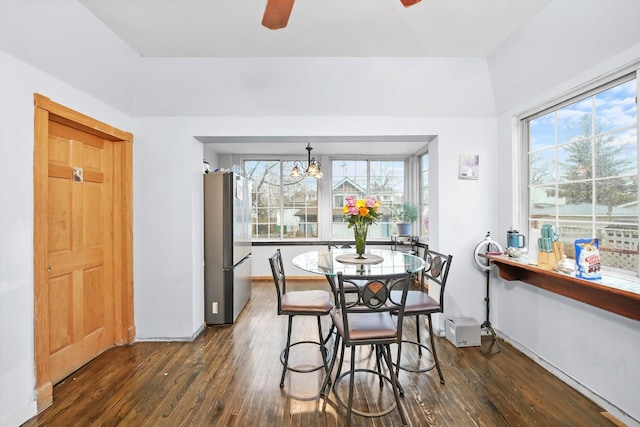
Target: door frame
[{"x": 46, "y": 110}]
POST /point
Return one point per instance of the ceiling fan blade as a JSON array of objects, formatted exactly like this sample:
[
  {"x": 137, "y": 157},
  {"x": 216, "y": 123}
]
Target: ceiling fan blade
[
  {"x": 276, "y": 14},
  {"x": 407, "y": 3}
]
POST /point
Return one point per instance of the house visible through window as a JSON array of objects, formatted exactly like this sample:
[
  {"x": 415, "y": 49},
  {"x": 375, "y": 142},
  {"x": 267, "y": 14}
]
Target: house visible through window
[
  {"x": 283, "y": 207},
  {"x": 583, "y": 172},
  {"x": 382, "y": 179}
]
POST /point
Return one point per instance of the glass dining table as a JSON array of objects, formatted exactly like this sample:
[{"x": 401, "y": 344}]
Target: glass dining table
[{"x": 380, "y": 263}]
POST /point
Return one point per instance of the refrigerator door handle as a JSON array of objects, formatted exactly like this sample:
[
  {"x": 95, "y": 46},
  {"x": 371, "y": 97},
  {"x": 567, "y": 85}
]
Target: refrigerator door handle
[{"x": 248, "y": 257}]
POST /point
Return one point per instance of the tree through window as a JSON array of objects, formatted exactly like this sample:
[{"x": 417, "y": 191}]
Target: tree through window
[{"x": 583, "y": 172}]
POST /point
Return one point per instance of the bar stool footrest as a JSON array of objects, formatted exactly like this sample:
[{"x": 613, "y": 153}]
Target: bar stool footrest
[
  {"x": 323, "y": 349},
  {"x": 356, "y": 411},
  {"x": 417, "y": 370}
]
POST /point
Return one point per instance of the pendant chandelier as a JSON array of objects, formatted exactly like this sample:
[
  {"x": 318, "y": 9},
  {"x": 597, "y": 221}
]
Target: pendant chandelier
[{"x": 312, "y": 169}]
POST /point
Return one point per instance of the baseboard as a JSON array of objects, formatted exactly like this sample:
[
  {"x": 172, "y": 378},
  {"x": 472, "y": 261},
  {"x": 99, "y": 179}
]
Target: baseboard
[
  {"x": 44, "y": 396},
  {"x": 612, "y": 412},
  {"x": 22, "y": 416},
  {"x": 193, "y": 336},
  {"x": 198, "y": 331}
]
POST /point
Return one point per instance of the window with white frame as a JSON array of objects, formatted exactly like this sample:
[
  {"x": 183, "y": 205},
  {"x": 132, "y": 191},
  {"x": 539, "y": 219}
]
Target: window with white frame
[
  {"x": 382, "y": 179},
  {"x": 283, "y": 207},
  {"x": 424, "y": 196},
  {"x": 583, "y": 172}
]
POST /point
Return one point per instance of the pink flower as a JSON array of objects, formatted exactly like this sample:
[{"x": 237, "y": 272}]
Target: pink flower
[
  {"x": 370, "y": 202},
  {"x": 350, "y": 200},
  {"x": 353, "y": 210}
]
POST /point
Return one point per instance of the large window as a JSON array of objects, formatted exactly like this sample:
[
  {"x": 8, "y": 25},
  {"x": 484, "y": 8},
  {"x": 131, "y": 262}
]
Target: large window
[
  {"x": 283, "y": 207},
  {"x": 382, "y": 179},
  {"x": 583, "y": 172},
  {"x": 424, "y": 196}
]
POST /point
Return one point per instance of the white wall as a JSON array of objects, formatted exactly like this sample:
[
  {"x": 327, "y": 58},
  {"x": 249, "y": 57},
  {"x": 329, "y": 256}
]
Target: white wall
[
  {"x": 18, "y": 83},
  {"x": 462, "y": 213},
  {"x": 564, "y": 39},
  {"x": 168, "y": 227},
  {"x": 591, "y": 349}
]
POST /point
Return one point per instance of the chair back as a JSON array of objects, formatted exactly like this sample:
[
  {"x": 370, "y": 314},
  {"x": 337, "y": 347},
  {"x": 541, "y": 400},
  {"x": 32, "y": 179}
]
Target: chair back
[
  {"x": 279, "y": 278},
  {"x": 374, "y": 297},
  {"x": 337, "y": 246},
  {"x": 436, "y": 270}
]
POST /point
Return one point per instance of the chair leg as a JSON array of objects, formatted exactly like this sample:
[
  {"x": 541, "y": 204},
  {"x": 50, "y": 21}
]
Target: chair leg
[
  {"x": 351, "y": 385},
  {"x": 397, "y": 366},
  {"x": 379, "y": 365},
  {"x": 335, "y": 382},
  {"x": 327, "y": 379},
  {"x": 418, "y": 335},
  {"x": 395, "y": 384},
  {"x": 323, "y": 349},
  {"x": 433, "y": 350},
  {"x": 286, "y": 352}
]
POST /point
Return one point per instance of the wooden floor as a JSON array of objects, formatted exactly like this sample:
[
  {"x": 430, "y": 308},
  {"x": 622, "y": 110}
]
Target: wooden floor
[{"x": 229, "y": 376}]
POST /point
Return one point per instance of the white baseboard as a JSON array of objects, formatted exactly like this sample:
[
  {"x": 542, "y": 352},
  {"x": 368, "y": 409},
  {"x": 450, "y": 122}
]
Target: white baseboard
[
  {"x": 176, "y": 339},
  {"x": 22, "y": 416},
  {"x": 572, "y": 382}
]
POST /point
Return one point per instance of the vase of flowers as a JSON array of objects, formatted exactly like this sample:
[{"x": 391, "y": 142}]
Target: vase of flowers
[{"x": 360, "y": 214}]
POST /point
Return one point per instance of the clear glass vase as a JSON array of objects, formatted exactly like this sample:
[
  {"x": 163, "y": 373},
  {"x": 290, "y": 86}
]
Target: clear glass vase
[{"x": 360, "y": 233}]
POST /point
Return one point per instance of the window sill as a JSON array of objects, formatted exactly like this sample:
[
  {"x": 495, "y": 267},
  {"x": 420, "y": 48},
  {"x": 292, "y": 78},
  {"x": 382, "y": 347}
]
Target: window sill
[{"x": 595, "y": 293}]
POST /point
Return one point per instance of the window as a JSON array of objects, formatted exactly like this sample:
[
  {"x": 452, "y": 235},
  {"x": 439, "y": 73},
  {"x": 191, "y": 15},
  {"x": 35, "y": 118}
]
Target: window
[
  {"x": 424, "y": 196},
  {"x": 382, "y": 179},
  {"x": 283, "y": 207},
  {"x": 583, "y": 172}
]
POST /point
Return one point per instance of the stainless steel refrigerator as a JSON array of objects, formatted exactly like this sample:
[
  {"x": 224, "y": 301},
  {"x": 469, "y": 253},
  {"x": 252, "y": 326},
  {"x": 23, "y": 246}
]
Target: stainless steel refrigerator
[{"x": 227, "y": 246}]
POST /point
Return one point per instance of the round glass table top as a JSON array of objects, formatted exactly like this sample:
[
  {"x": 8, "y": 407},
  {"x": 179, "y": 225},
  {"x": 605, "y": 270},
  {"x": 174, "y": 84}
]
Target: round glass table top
[{"x": 393, "y": 263}]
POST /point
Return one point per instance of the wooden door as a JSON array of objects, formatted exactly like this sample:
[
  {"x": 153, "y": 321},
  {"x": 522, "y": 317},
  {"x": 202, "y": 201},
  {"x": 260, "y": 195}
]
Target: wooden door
[
  {"x": 79, "y": 258},
  {"x": 82, "y": 242}
]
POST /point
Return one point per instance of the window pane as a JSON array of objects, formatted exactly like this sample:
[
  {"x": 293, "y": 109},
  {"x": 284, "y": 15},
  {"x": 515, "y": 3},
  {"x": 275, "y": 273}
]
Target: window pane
[
  {"x": 619, "y": 246},
  {"x": 542, "y": 203},
  {"x": 542, "y": 167},
  {"x": 617, "y": 200},
  {"x": 617, "y": 154},
  {"x": 616, "y": 108},
  {"x": 575, "y": 198},
  {"x": 300, "y": 205},
  {"x": 574, "y": 121},
  {"x": 575, "y": 160},
  {"x": 542, "y": 132},
  {"x": 265, "y": 196}
]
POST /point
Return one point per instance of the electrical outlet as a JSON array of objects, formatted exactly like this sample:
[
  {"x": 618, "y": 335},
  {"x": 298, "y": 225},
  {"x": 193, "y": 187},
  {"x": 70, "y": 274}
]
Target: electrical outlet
[{"x": 214, "y": 308}]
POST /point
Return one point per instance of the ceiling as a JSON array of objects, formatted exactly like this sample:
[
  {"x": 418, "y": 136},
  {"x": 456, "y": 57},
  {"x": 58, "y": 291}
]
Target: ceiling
[{"x": 317, "y": 28}]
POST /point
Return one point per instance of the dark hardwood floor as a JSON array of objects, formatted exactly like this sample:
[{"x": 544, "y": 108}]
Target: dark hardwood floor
[{"x": 229, "y": 376}]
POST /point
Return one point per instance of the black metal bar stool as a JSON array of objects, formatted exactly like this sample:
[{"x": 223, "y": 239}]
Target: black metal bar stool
[
  {"x": 419, "y": 302},
  {"x": 299, "y": 303},
  {"x": 368, "y": 322}
]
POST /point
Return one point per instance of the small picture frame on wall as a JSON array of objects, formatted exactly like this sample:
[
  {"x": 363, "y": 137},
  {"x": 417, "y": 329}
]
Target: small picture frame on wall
[{"x": 469, "y": 167}]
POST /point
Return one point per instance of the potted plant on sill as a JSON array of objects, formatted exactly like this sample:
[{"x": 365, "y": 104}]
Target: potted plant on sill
[{"x": 404, "y": 215}]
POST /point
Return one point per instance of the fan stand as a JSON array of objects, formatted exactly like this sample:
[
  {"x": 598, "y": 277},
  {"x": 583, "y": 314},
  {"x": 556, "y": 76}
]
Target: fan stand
[
  {"x": 485, "y": 265},
  {"x": 487, "y": 323}
]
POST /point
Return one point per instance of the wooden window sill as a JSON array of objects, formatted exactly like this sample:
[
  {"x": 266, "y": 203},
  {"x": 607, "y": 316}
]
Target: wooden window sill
[{"x": 596, "y": 293}]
